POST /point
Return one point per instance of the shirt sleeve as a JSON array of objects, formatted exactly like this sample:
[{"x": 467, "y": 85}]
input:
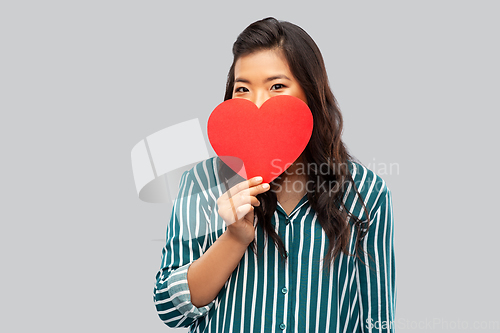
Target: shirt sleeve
[
  {"x": 186, "y": 241},
  {"x": 376, "y": 272}
]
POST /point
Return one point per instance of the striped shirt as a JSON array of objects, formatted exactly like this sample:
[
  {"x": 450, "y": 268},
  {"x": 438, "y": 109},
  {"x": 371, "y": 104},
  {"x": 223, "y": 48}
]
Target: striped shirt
[{"x": 267, "y": 294}]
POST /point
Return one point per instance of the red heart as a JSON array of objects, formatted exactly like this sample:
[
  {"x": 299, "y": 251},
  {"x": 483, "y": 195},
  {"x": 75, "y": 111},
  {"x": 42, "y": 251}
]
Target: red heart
[{"x": 268, "y": 140}]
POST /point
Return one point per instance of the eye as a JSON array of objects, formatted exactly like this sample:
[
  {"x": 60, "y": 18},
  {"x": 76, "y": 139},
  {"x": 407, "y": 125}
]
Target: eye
[
  {"x": 240, "y": 90},
  {"x": 278, "y": 86}
]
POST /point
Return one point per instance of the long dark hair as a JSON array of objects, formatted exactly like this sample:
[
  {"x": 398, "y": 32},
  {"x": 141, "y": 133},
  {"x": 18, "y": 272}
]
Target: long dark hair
[{"x": 325, "y": 147}]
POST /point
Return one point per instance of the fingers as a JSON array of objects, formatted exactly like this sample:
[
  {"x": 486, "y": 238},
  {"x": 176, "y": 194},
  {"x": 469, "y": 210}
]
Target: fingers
[
  {"x": 257, "y": 189},
  {"x": 243, "y": 210},
  {"x": 236, "y": 214},
  {"x": 244, "y": 185},
  {"x": 240, "y": 199},
  {"x": 248, "y": 195},
  {"x": 249, "y": 187}
]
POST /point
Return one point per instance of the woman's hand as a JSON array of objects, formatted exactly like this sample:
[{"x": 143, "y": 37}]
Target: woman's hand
[{"x": 236, "y": 208}]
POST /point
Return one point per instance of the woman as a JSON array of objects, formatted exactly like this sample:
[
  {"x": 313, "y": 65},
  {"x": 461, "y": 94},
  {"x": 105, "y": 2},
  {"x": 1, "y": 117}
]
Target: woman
[{"x": 331, "y": 268}]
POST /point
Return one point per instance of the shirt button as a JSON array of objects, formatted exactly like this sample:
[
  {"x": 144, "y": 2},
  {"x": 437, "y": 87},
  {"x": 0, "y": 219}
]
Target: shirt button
[
  {"x": 284, "y": 290},
  {"x": 282, "y": 326}
]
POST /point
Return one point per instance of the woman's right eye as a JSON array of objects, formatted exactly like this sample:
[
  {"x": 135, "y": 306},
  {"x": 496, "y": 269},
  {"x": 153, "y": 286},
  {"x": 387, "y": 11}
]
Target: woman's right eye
[{"x": 241, "y": 89}]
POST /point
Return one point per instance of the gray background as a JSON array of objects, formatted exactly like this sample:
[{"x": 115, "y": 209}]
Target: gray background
[{"x": 83, "y": 82}]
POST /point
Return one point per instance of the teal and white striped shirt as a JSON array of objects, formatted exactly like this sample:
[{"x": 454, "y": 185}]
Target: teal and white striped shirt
[{"x": 269, "y": 294}]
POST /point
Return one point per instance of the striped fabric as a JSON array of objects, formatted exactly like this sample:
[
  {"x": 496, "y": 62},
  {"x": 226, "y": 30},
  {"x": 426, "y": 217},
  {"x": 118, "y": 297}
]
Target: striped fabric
[{"x": 267, "y": 294}]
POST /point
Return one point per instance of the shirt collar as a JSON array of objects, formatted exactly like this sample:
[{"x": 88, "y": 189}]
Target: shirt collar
[{"x": 301, "y": 203}]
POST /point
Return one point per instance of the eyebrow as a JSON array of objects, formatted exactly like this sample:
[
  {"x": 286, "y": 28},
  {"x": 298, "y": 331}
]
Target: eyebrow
[{"x": 271, "y": 78}]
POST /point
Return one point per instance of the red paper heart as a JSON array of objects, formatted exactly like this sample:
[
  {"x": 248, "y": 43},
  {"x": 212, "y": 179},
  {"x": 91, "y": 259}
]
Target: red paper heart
[{"x": 268, "y": 140}]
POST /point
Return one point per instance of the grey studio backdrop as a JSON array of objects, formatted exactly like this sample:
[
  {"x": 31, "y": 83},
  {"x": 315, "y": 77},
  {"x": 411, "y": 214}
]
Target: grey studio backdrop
[{"x": 83, "y": 82}]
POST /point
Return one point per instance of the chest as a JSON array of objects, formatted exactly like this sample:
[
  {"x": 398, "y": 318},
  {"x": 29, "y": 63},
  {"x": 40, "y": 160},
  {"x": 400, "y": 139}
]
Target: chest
[
  {"x": 288, "y": 204},
  {"x": 288, "y": 197}
]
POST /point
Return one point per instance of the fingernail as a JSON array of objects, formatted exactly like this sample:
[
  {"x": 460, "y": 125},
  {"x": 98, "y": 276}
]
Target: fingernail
[
  {"x": 258, "y": 179},
  {"x": 266, "y": 185}
]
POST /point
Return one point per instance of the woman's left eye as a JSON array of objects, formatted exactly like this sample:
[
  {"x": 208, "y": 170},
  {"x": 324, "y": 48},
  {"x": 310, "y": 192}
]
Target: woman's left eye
[{"x": 277, "y": 86}]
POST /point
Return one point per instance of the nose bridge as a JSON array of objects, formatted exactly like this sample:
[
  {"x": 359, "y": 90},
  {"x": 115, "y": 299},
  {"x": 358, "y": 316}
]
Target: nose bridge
[{"x": 260, "y": 97}]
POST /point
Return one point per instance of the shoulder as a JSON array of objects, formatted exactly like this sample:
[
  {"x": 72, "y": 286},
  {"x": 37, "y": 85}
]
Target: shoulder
[
  {"x": 203, "y": 172},
  {"x": 366, "y": 178},
  {"x": 209, "y": 177},
  {"x": 202, "y": 176},
  {"x": 371, "y": 187}
]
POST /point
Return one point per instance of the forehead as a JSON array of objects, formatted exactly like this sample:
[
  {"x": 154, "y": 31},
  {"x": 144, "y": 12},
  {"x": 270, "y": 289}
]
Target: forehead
[{"x": 261, "y": 63}]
